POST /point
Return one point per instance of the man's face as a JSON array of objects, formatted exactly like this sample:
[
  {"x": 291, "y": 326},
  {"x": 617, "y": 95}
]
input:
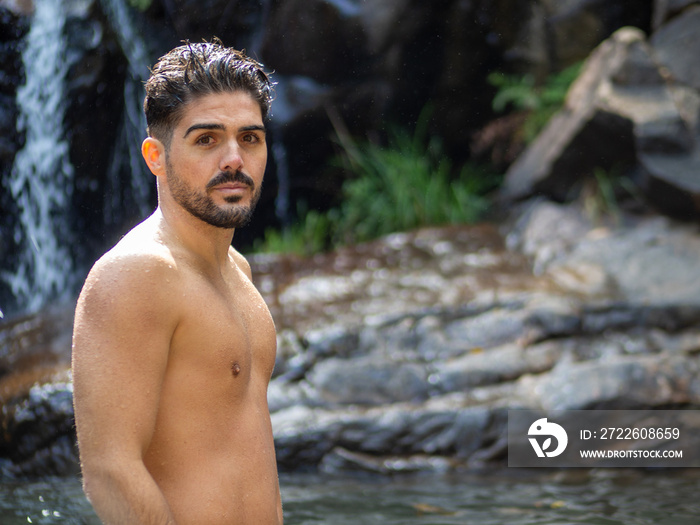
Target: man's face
[{"x": 216, "y": 159}]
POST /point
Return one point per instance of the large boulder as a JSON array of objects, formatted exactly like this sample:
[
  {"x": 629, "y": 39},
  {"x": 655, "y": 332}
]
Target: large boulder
[
  {"x": 609, "y": 321},
  {"x": 552, "y": 35},
  {"x": 36, "y": 396},
  {"x": 667, "y": 9},
  {"x": 671, "y": 176},
  {"x": 619, "y": 106},
  {"x": 634, "y": 111}
]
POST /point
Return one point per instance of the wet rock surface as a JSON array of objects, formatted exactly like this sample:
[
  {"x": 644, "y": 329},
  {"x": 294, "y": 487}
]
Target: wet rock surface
[
  {"x": 406, "y": 353},
  {"x": 37, "y": 435},
  {"x": 421, "y": 376}
]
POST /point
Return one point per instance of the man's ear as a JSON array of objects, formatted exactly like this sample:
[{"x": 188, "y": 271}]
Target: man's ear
[{"x": 153, "y": 152}]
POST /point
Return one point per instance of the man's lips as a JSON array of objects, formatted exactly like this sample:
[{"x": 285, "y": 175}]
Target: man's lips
[
  {"x": 229, "y": 183},
  {"x": 231, "y": 188}
]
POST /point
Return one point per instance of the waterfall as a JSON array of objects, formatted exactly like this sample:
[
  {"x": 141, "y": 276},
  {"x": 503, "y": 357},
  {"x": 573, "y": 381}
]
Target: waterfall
[
  {"x": 41, "y": 178},
  {"x": 127, "y": 161}
]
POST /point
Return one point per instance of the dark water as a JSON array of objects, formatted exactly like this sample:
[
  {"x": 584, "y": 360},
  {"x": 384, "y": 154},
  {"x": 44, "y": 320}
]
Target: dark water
[{"x": 520, "y": 498}]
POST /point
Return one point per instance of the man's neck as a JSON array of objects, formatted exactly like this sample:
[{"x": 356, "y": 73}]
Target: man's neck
[{"x": 206, "y": 244}]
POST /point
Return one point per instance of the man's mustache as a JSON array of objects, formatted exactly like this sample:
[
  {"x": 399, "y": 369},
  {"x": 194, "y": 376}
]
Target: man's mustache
[{"x": 231, "y": 176}]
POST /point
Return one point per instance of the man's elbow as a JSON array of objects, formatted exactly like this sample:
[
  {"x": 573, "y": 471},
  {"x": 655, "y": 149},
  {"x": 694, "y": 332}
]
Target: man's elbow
[{"x": 98, "y": 476}]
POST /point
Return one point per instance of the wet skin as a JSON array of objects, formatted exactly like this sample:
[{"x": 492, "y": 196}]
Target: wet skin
[{"x": 174, "y": 347}]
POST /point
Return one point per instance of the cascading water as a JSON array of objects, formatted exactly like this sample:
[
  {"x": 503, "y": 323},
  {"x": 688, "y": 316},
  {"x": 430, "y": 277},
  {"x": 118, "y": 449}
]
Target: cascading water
[
  {"x": 42, "y": 175},
  {"x": 43, "y": 266},
  {"x": 41, "y": 259}
]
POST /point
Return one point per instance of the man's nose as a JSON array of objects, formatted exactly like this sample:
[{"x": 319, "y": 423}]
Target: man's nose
[{"x": 231, "y": 159}]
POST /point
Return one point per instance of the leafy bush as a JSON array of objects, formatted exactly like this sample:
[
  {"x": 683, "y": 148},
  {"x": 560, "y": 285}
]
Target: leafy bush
[
  {"x": 405, "y": 185},
  {"x": 308, "y": 236},
  {"x": 141, "y": 5},
  {"x": 605, "y": 191},
  {"x": 522, "y": 93}
]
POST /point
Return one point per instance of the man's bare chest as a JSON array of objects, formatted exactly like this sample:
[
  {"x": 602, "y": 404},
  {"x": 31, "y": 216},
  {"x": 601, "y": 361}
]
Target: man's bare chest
[{"x": 224, "y": 328}]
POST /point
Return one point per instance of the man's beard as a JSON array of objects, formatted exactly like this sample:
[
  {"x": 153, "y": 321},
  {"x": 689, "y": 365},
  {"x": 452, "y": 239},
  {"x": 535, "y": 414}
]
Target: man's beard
[{"x": 202, "y": 206}]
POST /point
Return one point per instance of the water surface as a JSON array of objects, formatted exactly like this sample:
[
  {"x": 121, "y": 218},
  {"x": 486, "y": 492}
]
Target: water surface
[{"x": 605, "y": 497}]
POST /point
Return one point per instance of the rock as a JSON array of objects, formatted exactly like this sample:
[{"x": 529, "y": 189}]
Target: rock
[
  {"x": 674, "y": 43},
  {"x": 236, "y": 24},
  {"x": 567, "y": 344},
  {"x": 552, "y": 35},
  {"x": 618, "y": 383},
  {"x": 18, "y": 7},
  {"x": 667, "y": 9},
  {"x": 39, "y": 433},
  {"x": 635, "y": 105},
  {"x": 437, "y": 428},
  {"x": 95, "y": 102},
  {"x": 369, "y": 381},
  {"x": 652, "y": 264},
  {"x": 36, "y": 409},
  {"x": 323, "y": 54},
  {"x": 620, "y": 104},
  {"x": 341, "y": 460},
  {"x": 35, "y": 339},
  {"x": 670, "y": 176},
  {"x": 546, "y": 231},
  {"x": 494, "y": 366}
]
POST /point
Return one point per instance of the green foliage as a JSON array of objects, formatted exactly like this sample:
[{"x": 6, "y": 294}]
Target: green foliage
[
  {"x": 310, "y": 235},
  {"x": 141, "y": 5},
  {"x": 405, "y": 185},
  {"x": 523, "y": 94},
  {"x": 602, "y": 195}
]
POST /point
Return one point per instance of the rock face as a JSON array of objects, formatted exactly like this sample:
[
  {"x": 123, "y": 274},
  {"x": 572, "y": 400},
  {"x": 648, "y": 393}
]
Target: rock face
[
  {"x": 353, "y": 64},
  {"x": 36, "y": 396},
  {"x": 608, "y": 321},
  {"x": 406, "y": 353},
  {"x": 633, "y": 112}
]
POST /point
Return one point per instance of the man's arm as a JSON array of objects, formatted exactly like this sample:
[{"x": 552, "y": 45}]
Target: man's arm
[{"x": 123, "y": 326}]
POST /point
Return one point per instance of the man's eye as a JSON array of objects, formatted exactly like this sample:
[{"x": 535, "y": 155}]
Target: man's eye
[
  {"x": 204, "y": 139},
  {"x": 250, "y": 138}
]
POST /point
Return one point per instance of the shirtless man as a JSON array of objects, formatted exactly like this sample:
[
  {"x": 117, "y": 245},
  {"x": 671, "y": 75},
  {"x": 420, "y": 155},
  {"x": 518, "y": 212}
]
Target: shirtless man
[{"x": 173, "y": 347}]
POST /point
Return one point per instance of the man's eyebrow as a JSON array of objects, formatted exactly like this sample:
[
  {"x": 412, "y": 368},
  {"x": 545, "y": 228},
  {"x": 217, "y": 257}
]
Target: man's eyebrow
[
  {"x": 195, "y": 127},
  {"x": 221, "y": 127},
  {"x": 254, "y": 127}
]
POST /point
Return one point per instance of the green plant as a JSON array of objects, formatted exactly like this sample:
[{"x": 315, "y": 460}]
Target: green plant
[
  {"x": 541, "y": 101},
  {"x": 141, "y": 5},
  {"x": 311, "y": 234},
  {"x": 403, "y": 186},
  {"x": 603, "y": 193}
]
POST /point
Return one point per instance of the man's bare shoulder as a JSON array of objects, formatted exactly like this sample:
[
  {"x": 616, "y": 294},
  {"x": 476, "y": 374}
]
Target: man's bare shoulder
[
  {"x": 139, "y": 270},
  {"x": 241, "y": 262}
]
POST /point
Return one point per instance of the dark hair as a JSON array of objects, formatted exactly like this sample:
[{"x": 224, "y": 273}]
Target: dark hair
[{"x": 194, "y": 70}]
